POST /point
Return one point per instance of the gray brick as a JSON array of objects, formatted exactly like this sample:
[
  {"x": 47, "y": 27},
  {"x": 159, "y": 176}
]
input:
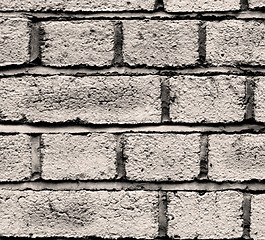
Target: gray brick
[
  {"x": 257, "y": 230},
  {"x": 233, "y": 42},
  {"x": 79, "y": 214},
  {"x": 259, "y": 98},
  {"x": 213, "y": 215},
  {"x": 154, "y": 157},
  {"x": 256, "y": 4},
  {"x": 93, "y": 99},
  {"x": 211, "y": 99},
  {"x": 160, "y": 43}
]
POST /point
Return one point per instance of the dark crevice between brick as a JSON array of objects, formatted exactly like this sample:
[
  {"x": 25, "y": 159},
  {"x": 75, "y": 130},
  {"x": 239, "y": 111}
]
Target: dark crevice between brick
[
  {"x": 204, "y": 142},
  {"x": 202, "y": 43},
  {"x": 118, "y": 44},
  {"x": 244, "y": 5},
  {"x": 246, "y": 215},
  {"x": 35, "y": 157},
  {"x": 35, "y": 39},
  {"x": 162, "y": 217},
  {"x": 249, "y": 100},
  {"x": 165, "y": 100},
  {"x": 120, "y": 159},
  {"x": 159, "y": 5}
]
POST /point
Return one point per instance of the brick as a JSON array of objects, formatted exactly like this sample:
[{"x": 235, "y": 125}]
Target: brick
[
  {"x": 237, "y": 157},
  {"x": 93, "y": 99},
  {"x": 77, "y": 5},
  {"x": 213, "y": 215},
  {"x": 155, "y": 157},
  {"x": 69, "y": 43},
  {"x": 257, "y": 217},
  {"x": 256, "y": 4},
  {"x": 201, "y": 5},
  {"x": 14, "y": 41},
  {"x": 15, "y": 158},
  {"x": 66, "y": 156},
  {"x": 79, "y": 214},
  {"x": 233, "y": 42},
  {"x": 259, "y": 99},
  {"x": 210, "y": 99},
  {"x": 160, "y": 43}
]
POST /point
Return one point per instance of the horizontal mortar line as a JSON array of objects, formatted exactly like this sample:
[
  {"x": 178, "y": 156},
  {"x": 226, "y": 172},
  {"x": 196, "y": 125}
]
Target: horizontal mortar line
[
  {"x": 83, "y": 71},
  {"x": 47, "y": 16},
  {"x": 162, "y": 128},
  {"x": 252, "y": 186}
]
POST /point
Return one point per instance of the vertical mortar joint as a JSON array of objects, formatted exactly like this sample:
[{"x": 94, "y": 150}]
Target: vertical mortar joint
[
  {"x": 165, "y": 100},
  {"x": 249, "y": 100},
  {"x": 246, "y": 206},
  {"x": 35, "y": 157},
  {"x": 162, "y": 218},
  {"x": 204, "y": 144},
  {"x": 118, "y": 44},
  {"x": 35, "y": 43},
  {"x": 244, "y": 5},
  {"x": 159, "y": 5},
  {"x": 202, "y": 42},
  {"x": 120, "y": 160}
]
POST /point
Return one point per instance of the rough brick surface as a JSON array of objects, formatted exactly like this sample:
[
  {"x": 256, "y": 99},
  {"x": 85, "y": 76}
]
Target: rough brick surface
[
  {"x": 66, "y": 156},
  {"x": 233, "y": 42},
  {"x": 79, "y": 214},
  {"x": 162, "y": 156},
  {"x": 213, "y": 215},
  {"x": 236, "y": 157},
  {"x": 15, "y": 157},
  {"x": 256, "y": 3},
  {"x": 77, "y": 5},
  {"x": 207, "y": 99},
  {"x": 93, "y": 99},
  {"x": 68, "y": 43},
  {"x": 201, "y": 5},
  {"x": 257, "y": 230},
  {"x": 259, "y": 99},
  {"x": 160, "y": 43},
  {"x": 14, "y": 41}
]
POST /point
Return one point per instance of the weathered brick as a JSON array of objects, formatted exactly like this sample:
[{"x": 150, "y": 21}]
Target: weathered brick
[
  {"x": 14, "y": 41},
  {"x": 213, "y": 215},
  {"x": 257, "y": 217},
  {"x": 15, "y": 157},
  {"x": 237, "y": 157},
  {"x": 259, "y": 99},
  {"x": 233, "y": 42},
  {"x": 77, "y": 5},
  {"x": 69, "y": 43},
  {"x": 256, "y": 4},
  {"x": 162, "y": 156},
  {"x": 79, "y": 214},
  {"x": 161, "y": 43},
  {"x": 207, "y": 99},
  {"x": 201, "y": 5},
  {"x": 66, "y": 156},
  {"x": 93, "y": 99}
]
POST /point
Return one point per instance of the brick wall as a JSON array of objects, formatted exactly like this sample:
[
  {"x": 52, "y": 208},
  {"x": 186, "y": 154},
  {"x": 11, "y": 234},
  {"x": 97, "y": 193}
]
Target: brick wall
[{"x": 132, "y": 119}]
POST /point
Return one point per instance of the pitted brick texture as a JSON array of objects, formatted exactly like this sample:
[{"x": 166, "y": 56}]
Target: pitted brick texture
[
  {"x": 92, "y": 99},
  {"x": 237, "y": 157},
  {"x": 77, "y": 5},
  {"x": 69, "y": 43},
  {"x": 257, "y": 217},
  {"x": 14, "y": 41},
  {"x": 213, "y": 215},
  {"x": 201, "y": 5},
  {"x": 160, "y": 43},
  {"x": 66, "y": 156},
  {"x": 256, "y": 3},
  {"x": 259, "y": 98},
  {"x": 207, "y": 99},
  {"x": 233, "y": 42},
  {"x": 79, "y": 214},
  {"x": 154, "y": 157},
  {"x": 15, "y": 157}
]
